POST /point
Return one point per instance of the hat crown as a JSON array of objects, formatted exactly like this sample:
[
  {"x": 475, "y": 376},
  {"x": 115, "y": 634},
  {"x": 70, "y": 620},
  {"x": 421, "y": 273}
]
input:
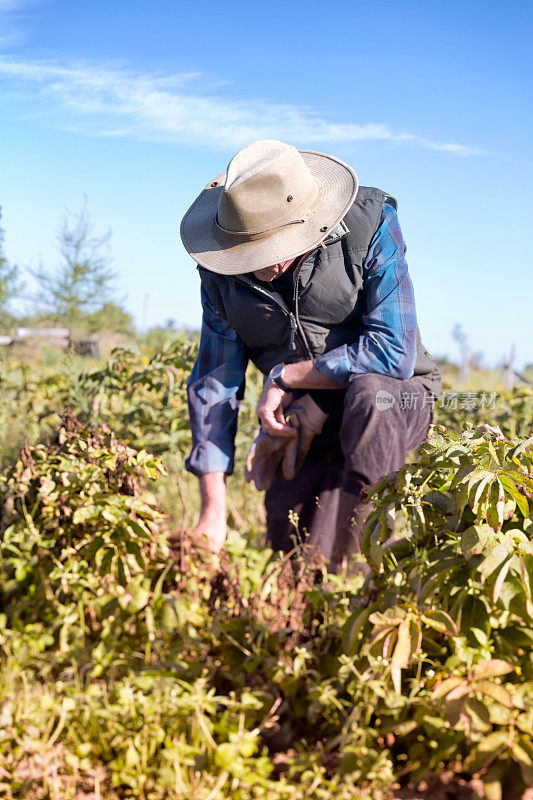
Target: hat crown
[{"x": 267, "y": 184}]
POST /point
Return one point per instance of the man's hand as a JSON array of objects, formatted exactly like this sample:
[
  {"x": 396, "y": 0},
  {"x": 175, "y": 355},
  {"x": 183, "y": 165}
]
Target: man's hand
[
  {"x": 270, "y": 410},
  {"x": 272, "y": 455},
  {"x": 212, "y": 522}
]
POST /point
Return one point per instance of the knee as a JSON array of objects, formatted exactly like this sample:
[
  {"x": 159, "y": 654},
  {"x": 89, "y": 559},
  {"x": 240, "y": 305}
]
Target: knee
[
  {"x": 371, "y": 392},
  {"x": 371, "y": 408}
]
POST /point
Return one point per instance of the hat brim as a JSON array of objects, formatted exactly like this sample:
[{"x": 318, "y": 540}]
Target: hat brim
[{"x": 211, "y": 248}]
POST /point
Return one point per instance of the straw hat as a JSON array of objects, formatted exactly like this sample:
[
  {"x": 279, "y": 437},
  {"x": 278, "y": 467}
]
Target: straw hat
[{"x": 273, "y": 203}]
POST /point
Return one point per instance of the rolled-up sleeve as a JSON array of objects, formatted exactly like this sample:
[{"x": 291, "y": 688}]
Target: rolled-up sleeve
[
  {"x": 215, "y": 390},
  {"x": 388, "y": 342}
]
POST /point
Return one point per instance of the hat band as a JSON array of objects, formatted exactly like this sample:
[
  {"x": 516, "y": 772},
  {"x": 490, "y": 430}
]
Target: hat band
[{"x": 248, "y": 236}]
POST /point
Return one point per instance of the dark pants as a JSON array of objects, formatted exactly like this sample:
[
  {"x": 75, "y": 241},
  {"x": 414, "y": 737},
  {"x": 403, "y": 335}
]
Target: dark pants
[{"x": 371, "y": 428}]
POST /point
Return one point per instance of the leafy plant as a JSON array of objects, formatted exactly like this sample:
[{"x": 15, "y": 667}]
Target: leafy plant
[{"x": 254, "y": 675}]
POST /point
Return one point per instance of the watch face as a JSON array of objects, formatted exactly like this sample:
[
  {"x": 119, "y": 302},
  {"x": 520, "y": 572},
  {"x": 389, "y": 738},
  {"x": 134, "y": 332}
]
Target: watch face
[{"x": 277, "y": 371}]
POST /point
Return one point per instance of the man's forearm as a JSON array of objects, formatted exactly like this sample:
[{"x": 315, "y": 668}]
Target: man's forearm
[{"x": 304, "y": 375}]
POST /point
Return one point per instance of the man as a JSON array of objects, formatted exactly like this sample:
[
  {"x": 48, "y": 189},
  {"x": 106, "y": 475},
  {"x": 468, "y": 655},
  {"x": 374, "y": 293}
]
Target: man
[{"x": 303, "y": 272}]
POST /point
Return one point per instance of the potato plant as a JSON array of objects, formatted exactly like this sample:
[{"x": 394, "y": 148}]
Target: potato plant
[
  {"x": 133, "y": 666},
  {"x": 450, "y": 543}
]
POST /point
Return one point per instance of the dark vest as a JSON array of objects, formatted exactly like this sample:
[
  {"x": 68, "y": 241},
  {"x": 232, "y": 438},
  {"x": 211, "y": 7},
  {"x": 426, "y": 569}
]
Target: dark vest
[{"x": 328, "y": 303}]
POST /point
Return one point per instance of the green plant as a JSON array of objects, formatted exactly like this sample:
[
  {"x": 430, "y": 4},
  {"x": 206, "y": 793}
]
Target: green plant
[
  {"x": 254, "y": 675},
  {"x": 449, "y": 539}
]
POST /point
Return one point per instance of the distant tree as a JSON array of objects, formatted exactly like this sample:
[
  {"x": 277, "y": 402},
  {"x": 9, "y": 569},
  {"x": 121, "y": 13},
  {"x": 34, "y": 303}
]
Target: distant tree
[
  {"x": 111, "y": 318},
  {"x": 462, "y": 340},
  {"x": 477, "y": 359},
  {"x": 9, "y": 278},
  {"x": 446, "y": 362},
  {"x": 82, "y": 282}
]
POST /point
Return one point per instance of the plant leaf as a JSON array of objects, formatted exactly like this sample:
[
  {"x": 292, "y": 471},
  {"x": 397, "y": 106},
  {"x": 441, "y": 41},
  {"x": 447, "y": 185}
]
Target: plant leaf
[
  {"x": 500, "y": 579},
  {"x": 495, "y": 558},
  {"x": 495, "y": 506},
  {"x": 489, "y": 748},
  {"x": 491, "y": 669},
  {"x": 496, "y": 691},
  {"x": 401, "y": 655},
  {"x": 442, "y": 688},
  {"x": 440, "y": 621}
]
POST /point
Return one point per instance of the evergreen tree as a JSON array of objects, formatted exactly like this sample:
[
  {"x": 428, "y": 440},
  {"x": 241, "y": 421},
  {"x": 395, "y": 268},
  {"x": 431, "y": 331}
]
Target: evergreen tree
[
  {"x": 82, "y": 282},
  {"x": 9, "y": 278}
]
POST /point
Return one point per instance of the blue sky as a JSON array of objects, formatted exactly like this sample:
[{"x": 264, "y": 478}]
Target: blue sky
[{"x": 137, "y": 105}]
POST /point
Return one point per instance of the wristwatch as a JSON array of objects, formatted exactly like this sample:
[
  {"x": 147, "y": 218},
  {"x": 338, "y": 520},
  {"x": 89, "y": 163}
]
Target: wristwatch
[{"x": 276, "y": 376}]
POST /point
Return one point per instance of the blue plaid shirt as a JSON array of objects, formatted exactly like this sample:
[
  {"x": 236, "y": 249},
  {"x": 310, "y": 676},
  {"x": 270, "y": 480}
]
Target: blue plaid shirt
[{"x": 387, "y": 346}]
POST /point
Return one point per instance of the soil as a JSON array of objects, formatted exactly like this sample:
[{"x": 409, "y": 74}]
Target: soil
[{"x": 448, "y": 786}]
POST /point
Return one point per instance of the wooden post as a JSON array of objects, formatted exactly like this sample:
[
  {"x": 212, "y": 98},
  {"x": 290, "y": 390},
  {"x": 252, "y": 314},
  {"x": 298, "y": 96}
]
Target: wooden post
[{"x": 508, "y": 373}]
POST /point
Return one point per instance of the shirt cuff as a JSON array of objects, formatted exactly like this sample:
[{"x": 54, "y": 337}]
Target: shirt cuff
[
  {"x": 335, "y": 365},
  {"x": 208, "y": 457}
]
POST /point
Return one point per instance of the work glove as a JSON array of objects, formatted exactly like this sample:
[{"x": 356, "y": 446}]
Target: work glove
[
  {"x": 266, "y": 458},
  {"x": 308, "y": 419},
  {"x": 283, "y": 456}
]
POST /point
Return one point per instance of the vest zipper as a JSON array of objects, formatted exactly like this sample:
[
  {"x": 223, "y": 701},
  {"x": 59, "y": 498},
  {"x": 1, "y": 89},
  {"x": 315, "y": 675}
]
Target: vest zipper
[
  {"x": 293, "y": 318},
  {"x": 295, "y": 306},
  {"x": 294, "y": 327}
]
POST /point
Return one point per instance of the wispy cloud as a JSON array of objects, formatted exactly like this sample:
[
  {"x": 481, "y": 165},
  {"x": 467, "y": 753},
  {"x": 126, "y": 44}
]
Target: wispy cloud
[
  {"x": 112, "y": 100},
  {"x": 12, "y": 16},
  {"x": 12, "y": 5}
]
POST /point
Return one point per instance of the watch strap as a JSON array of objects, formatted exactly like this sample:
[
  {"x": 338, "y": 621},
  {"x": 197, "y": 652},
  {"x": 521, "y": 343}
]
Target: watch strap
[{"x": 278, "y": 380}]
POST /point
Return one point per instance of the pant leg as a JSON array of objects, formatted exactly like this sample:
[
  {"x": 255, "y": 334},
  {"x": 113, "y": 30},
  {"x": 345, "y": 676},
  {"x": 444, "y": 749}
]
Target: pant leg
[
  {"x": 313, "y": 495},
  {"x": 376, "y": 430},
  {"x": 383, "y": 419}
]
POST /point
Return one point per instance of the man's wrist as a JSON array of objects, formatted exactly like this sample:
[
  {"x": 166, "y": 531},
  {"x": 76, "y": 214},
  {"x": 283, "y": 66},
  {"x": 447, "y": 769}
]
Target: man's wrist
[
  {"x": 277, "y": 376},
  {"x": 304, "y": 375},
  {"x": 299, "y": 375}
]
